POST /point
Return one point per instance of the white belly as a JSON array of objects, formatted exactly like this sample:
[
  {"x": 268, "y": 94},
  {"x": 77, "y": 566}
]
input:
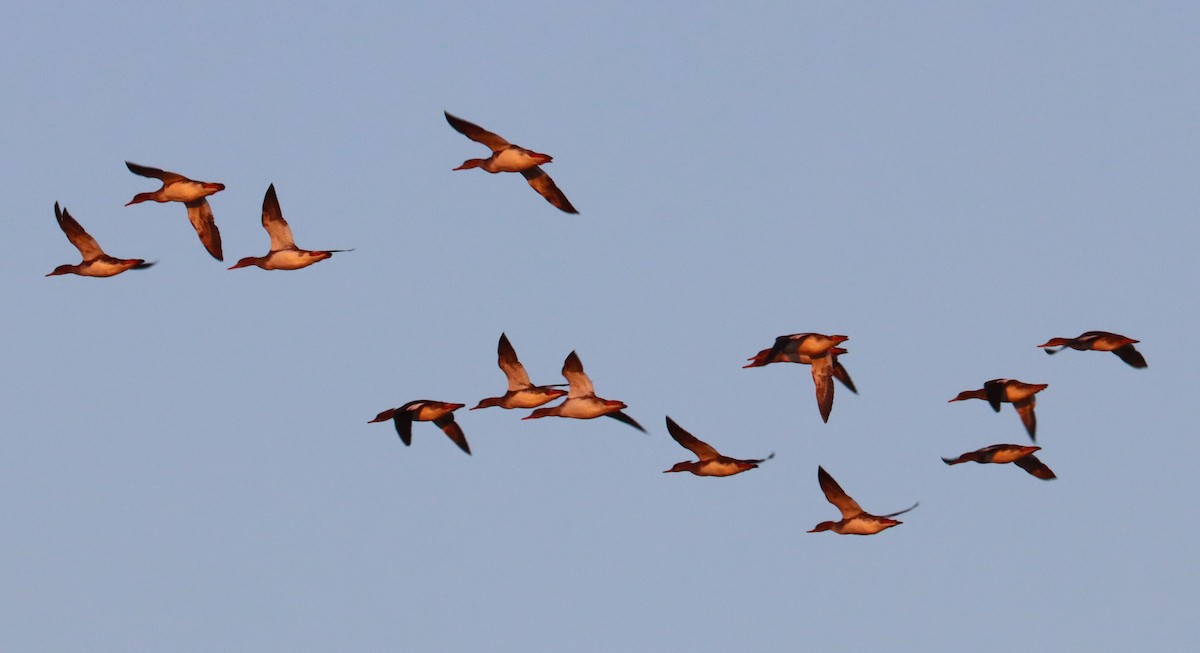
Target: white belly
[
  {"x": 514, "y": 159},
  {"x": 585, "y": 409},
  {"x": 718, "y": 468},
  {"x": 864, "y": 527},
  {"x": 185, "y": 191},
  {"x": 292, "y": 259},
  {"x": 523, "y": 399},
  {"x": 102, "y": 269}
]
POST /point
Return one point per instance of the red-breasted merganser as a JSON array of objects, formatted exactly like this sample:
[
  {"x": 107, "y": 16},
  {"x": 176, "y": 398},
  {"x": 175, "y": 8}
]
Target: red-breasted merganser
[
  {"x": 582, "y": 402},
  {"x": 95, "y": 262},
  {"x": 1020, "y": 395},
  {"x": 854, "y": 520},
  {"x": 1101, "y": 341},
  {"x": 792, "y": 348},
  {"x": 1007, "y": 453},
  {"x": 507, "y": 157},
  {"x": 177, "y": 188},
  {"x": 284, "y": 254},
  {"x": 521, "y": 391},
  {"x": 839, "y": 370},
  {"x": 711, "y": 462},
  {"x": 424, "y": 410},
  {"x": 815, "y": 349}
]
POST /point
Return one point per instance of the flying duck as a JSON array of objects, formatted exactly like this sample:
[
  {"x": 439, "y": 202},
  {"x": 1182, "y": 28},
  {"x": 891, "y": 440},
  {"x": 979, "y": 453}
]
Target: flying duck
[
  {"x": 1020, "y": 395},
  {"x": 95, "y": 262},
  {"x": 854, "y": 521},
  {"x": 507, "y": 157},
  {"x": 711, "y": 462},
  {"x": 521, "y": 391},
  {"x": 177, "y": 188},
  {"x": 817, "y": 350},
  {"x": 424, "y": 410},
  {"x": 769, "y": 356},
  {"x": 1007, "y": 453},
  {"x": 582, "y": 402},
  {"x": 1100, "y": 341},
  {"x": 284, "y": 254}
]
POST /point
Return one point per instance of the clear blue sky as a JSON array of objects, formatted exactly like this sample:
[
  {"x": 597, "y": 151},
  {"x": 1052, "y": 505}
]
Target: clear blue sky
[{"x": 186, "y": 463}]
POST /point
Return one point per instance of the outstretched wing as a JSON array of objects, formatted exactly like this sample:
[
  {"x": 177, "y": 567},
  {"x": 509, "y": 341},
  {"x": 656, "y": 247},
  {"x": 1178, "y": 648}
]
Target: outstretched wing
[
  {"x": 75, "y": 232},
  {"x": 1130, "y": 355},
  {"x": 476, "y": 133},
  {"x": 155, "y": 173},
  {"x": 691, "y": 442},
  {"x": 518, "y": 378},
  {"x": 995, "y": 391},
  {"x": 453, "y": 431},
  {"x": 1034, "y": 466},
  {"x": 837, "y": 496},
  {"x": 840, "y": 373},
  {"x": 403, "y": 422},
  {"x": 201, "y": 216},
  {"x": 1028, "y": 418},
  {"x": 901, "y": 512},
  {"x": 622, "y": 417},
  {"x": 822, "y": 374},
  {"x": 581, "y": 385},
  {"x": 545, "y": 186},
  {"x": 273, "y": 222}
]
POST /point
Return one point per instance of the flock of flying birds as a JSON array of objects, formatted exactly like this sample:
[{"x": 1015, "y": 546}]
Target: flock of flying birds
[{"x": 820, "y": 352}]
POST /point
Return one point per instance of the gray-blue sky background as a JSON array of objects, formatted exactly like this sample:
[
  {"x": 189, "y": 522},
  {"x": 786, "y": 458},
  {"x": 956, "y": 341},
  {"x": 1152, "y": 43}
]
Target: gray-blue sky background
[{"x": 186, "y": 462}]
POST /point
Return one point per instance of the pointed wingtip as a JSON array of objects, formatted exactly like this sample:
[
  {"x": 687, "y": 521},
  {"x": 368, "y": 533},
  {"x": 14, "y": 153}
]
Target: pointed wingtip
[
  {"x": 573, "y": 360},
  {"x": 624, "y": 418}
]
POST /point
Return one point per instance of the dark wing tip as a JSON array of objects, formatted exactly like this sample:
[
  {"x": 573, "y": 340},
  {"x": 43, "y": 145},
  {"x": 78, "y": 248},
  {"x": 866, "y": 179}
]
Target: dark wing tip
[
  {"x": 271, "y": 203},
  {"x": 402, "y": 420},
  {"x": 545, "y": 186},
  {"x": 1036, "y": 467},
  {"x": 144, "y": 171},
  {"x": 622, "y": 417},
  {"x": 505, "y": 348},
  {"x": 213, "y": 244},
  {"x": 901, "y": 512},
  {"x": 1131, "y": 356},
  {"x": 679, "y": 434},
  {"x": 461, "y": 126}
]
